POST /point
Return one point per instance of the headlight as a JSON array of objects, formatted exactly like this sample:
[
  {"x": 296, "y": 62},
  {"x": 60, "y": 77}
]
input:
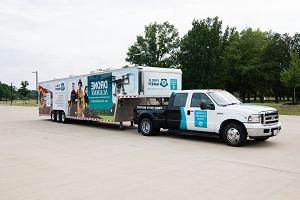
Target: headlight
[{"x": 254, "y": 119}]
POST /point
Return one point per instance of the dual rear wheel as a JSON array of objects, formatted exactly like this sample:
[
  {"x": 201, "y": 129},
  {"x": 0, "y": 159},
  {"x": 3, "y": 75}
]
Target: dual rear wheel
[{"x": 147, "y": 127}]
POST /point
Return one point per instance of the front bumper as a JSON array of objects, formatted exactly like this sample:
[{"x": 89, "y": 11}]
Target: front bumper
[{"x": 259, "y": 130}]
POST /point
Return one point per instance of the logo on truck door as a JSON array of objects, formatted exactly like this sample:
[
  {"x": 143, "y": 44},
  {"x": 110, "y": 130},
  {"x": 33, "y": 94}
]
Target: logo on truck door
[{"x": 200, "y": 118}]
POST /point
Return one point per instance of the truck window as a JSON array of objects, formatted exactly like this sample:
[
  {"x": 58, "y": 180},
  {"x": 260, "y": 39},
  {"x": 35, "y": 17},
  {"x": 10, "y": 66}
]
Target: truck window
[
  {"x": 197, "y": 98},
  {"x": 180, "y": 100}
]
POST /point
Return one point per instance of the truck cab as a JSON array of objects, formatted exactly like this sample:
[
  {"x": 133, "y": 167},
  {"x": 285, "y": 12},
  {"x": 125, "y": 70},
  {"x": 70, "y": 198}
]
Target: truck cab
[{"x": 215, "y": 112}]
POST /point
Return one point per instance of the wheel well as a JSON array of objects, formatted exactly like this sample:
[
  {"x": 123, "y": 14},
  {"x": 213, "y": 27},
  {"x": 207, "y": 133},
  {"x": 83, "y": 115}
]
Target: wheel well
[
  {"x": 144, "y": 115},
  {"x": 228, "y": 121},
  {"x": 58, "y": 112}
]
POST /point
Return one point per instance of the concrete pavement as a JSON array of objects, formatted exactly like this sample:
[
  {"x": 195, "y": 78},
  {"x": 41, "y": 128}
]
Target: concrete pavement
[{"x": 40, "y": 159}]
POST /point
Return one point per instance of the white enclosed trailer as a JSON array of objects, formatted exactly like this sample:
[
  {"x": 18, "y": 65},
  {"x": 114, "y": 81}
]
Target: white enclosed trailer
[{"x": 109, "y": 95}]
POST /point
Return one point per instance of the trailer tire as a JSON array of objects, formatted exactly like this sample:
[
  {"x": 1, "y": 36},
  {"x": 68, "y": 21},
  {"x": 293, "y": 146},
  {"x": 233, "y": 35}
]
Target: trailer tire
[
  {"x": 146, "y": 127},
  {"x": 54, "y": 116},
  {"x": 234, "y": 134},
  {"x": 62, "y": 117}
]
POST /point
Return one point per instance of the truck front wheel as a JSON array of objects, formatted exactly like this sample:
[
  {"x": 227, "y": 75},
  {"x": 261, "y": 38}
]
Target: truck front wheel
[
  {"x": 146, "y": 127},
  {"x": 234, "y": 134}
]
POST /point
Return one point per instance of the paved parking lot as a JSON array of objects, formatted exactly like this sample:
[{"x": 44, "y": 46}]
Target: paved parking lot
[{"x": 40, "y": 159}]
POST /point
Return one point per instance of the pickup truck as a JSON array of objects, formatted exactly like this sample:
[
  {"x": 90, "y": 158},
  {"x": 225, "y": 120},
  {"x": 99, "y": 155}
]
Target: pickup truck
[{"x": 209, "y": 112}]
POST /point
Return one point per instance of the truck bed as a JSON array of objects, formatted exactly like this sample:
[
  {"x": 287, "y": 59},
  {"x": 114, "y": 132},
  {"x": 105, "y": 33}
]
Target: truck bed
[{"x": 157, "y": 113}]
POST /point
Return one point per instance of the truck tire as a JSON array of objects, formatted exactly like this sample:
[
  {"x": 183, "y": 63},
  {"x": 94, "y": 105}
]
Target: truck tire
[
  {"x": 146, "y": 127},
  {"x": 234, "y": 134},
  {"x": 54, "y": 116},
  {"x": 260, "y": 138}
]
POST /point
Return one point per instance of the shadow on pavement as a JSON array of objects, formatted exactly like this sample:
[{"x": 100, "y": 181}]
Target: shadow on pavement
[
  {"x": 107, "y": 125},
  {"x": 133, "y": 130}
]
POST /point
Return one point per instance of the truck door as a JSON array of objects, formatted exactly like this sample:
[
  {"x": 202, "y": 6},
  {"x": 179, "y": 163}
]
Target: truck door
[
  {"x": 201, "y": 114},
  {"x": 176, "y": 109}
]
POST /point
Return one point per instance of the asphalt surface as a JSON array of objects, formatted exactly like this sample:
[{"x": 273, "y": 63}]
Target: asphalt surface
[{"x": 40, "y": 159}]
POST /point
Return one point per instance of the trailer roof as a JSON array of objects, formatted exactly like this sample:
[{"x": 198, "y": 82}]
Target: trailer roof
[
  {"x": 159, "y": 69},
  {"x": 143, "y": 68},
  {"x": 200, "y": 90}
]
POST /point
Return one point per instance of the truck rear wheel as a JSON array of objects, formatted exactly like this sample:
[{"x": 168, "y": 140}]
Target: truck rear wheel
[
  {"x": 234, "y": 134},
  {"x": 146, "y": 127}
]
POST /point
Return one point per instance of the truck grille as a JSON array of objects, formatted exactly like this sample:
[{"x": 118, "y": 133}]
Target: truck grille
[{"x": 270, "y": 118}]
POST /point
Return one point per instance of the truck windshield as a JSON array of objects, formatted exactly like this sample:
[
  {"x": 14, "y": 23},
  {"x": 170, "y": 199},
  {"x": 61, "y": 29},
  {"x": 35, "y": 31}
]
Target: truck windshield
[{"x": 223, "y": 98}]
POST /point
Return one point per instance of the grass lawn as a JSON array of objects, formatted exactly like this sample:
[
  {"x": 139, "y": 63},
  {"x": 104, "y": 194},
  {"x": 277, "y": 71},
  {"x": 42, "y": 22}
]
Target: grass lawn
[
  {"x": 107, "y": 117},
  {"x": 20, "y": 103},
  {"x": 283, "y": 109}
]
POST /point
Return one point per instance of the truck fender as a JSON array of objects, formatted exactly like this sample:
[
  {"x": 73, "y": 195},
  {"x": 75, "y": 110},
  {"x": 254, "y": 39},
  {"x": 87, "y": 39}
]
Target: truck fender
[
  {"x": 228, "y": 121},
  {"x": 143, "y": 115}
]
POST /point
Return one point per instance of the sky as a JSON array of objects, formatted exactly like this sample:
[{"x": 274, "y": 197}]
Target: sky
[{"x": 59, "y": 38}]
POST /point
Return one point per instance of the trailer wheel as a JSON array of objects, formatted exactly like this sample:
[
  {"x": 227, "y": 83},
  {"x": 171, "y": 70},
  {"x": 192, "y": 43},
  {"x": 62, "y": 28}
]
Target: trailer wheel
[
  {"x": 146, "y": 127},
  {"x": 62, "y": 117},
  {"x": 234, "y": 134},
  {"x": 53, "y": 116}
]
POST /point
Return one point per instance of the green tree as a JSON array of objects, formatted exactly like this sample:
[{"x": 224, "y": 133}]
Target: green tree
[
  {"x": 201, "y": 54},
  {"x": 1, "y": 91},
  {"x": 295, "y": 42},
  {"x": 275, "y": 58},
  {"x": 245, "y": 71},
  {"x": 4, "y": 91},
  {"x": 33, "y": 94},
  {"x": 157, "y": 48},
  {"x": 23, "y": 91},
  {"x": 291, "y": 75}
]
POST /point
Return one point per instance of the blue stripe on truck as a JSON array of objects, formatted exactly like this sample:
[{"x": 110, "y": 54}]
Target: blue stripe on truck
[{"x": 182, "y": 119}]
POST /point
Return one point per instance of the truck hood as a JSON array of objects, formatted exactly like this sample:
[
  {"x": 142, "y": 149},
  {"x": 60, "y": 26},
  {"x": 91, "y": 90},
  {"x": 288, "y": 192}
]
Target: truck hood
[{"x": 252, "y": 109}]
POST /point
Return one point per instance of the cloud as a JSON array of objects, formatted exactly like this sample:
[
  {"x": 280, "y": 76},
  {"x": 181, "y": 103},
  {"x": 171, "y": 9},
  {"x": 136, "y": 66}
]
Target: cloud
[{"x": 59, "y": 37}]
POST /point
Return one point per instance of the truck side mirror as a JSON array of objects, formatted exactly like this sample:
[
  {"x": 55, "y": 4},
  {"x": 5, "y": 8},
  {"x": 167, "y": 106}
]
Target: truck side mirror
[
  {"x": 212, "y": 106},
  {"x": 203, "y": 106},
  {"x": 206, "y": 106}
]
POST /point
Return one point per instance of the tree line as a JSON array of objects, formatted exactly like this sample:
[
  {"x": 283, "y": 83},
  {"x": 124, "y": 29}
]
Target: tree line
[
  {"x": 9, "y": 92},
  {"x": 251, "y": 62}
]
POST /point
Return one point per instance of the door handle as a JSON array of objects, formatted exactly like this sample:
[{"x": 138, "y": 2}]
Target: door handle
[{"x": 189, "y": 112}]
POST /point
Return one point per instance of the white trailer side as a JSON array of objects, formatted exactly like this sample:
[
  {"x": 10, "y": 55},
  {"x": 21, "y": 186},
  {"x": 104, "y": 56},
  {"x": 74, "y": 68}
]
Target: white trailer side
[{"x": 107, "y": 95}]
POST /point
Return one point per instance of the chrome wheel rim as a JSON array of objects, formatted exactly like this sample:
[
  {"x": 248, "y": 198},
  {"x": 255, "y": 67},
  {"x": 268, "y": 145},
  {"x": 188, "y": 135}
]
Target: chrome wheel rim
[
  {"x": 233, "y": 135},
  {"x": 146, "y": 127}
]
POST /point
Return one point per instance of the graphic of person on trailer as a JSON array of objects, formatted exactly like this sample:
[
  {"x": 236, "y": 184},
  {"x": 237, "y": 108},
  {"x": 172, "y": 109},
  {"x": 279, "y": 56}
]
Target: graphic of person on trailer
[
  {"x": 72, "y": 102},
  {"x": 80, "y": 100}
]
